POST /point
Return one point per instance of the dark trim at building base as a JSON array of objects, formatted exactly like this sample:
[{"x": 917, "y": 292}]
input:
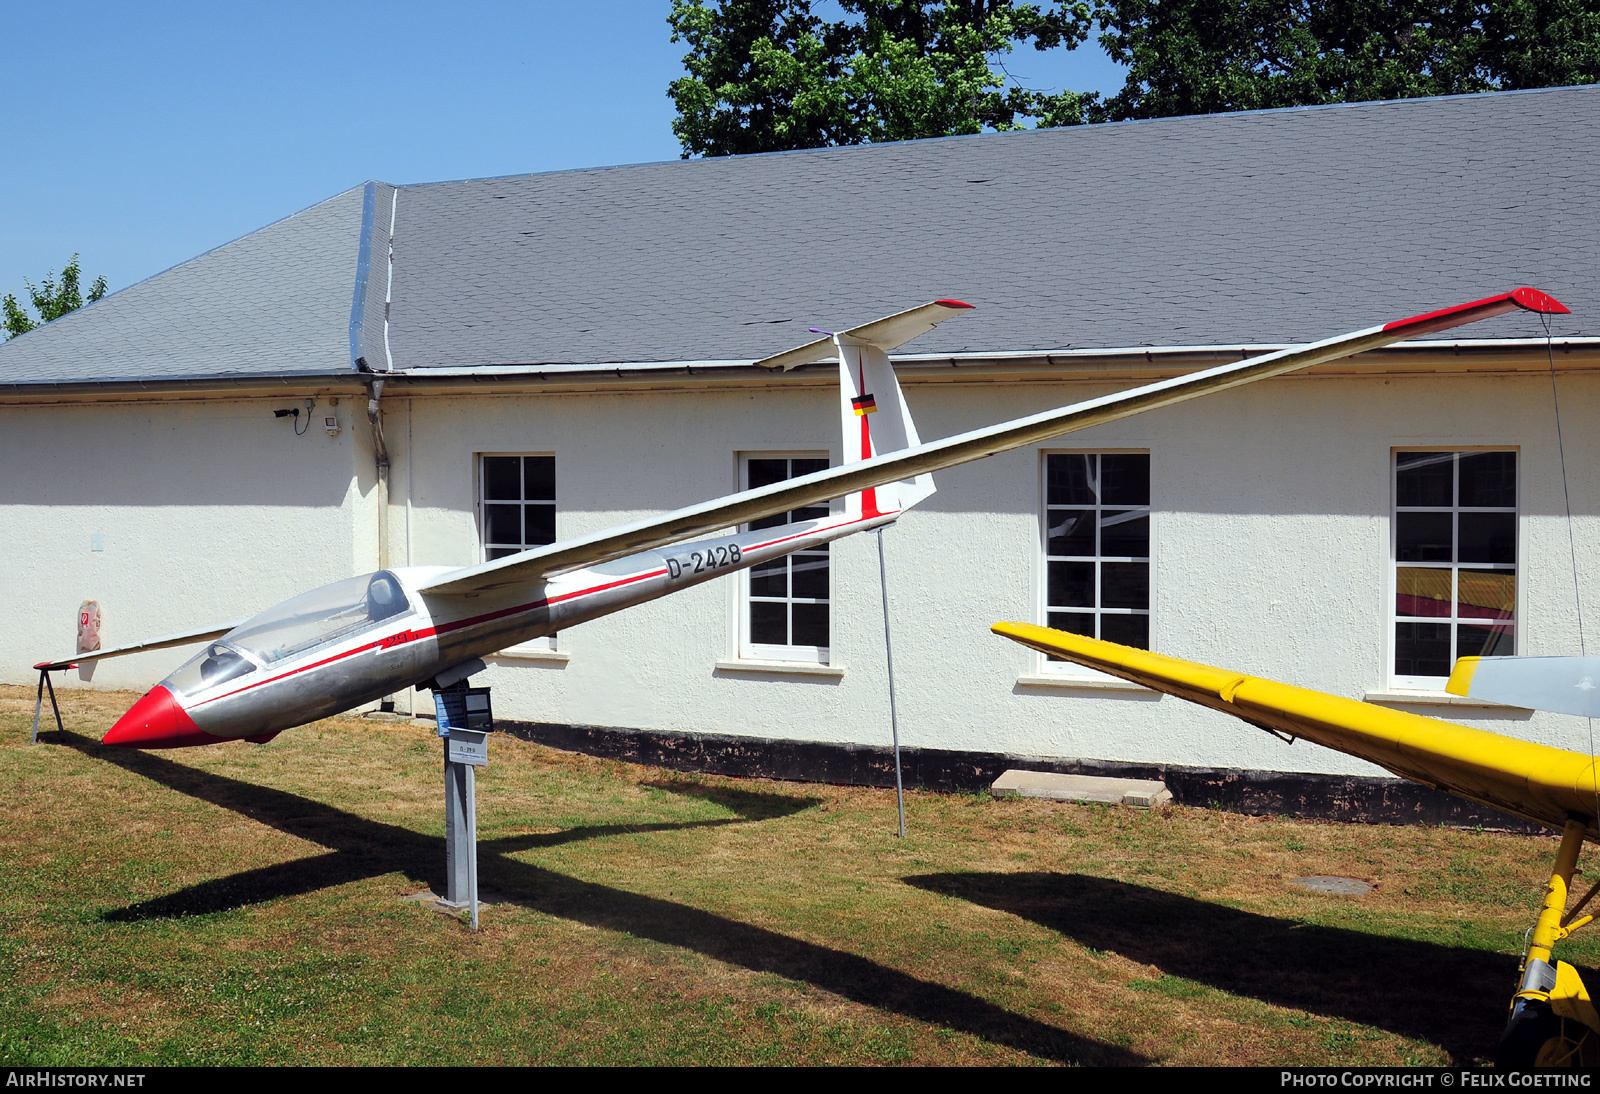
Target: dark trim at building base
[{"x": 1330, "y": 797}]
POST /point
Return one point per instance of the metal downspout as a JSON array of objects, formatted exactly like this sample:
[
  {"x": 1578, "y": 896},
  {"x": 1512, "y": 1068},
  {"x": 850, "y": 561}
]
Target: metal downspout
[{"x": 381, "y": 460}]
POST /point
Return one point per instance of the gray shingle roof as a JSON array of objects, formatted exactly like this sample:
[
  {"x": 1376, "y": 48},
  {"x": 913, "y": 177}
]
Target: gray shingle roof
[
  {"x": 1224, "y": 229},
  {"x": 275, "y": 301}
]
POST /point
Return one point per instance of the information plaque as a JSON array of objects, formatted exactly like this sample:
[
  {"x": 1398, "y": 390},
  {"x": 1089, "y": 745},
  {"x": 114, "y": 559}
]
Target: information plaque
[{"x": 467, "y": 746}]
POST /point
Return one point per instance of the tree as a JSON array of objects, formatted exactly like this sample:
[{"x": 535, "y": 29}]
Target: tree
[
  {"x": 1205, "y": 56},
  {"x": 50, "y": 299},
  {"x": 770, "y": 75}
]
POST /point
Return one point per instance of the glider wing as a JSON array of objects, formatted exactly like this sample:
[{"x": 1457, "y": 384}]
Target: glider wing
[
  {"x": 182, "y": 638},
  {"x": 1529, "y": 780},
  {"x": 1564, "y": 685},
  {"x": 921, "y": 459}
]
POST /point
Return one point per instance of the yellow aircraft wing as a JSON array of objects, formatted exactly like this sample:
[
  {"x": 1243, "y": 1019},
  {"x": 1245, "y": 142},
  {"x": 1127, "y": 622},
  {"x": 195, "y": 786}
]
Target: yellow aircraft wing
[{"x": 1534, "y": 781}]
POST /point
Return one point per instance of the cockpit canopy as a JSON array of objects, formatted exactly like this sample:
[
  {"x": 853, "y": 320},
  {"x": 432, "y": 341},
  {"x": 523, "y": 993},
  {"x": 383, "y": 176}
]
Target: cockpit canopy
[{"x": 298, "y": 625}]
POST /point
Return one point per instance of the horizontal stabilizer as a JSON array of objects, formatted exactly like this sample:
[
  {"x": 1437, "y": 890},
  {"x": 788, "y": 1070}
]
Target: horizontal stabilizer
[
  {"x": 1529, "y": 780},
  {"x": 1562, "y": 685},
  {"x": 886, "y": 333},
  {"x": 182, "y": 638}
]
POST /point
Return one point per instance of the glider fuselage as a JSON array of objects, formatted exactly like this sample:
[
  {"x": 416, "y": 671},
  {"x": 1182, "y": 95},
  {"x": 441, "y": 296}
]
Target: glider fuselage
[{"x": 358, "y": 640}]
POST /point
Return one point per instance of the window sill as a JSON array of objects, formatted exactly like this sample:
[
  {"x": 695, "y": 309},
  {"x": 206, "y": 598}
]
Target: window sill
[
  {"x": 1431, "y": 699},
  {"x": 532, "y": 653},
  {"x": 785, "y": 668},
  {"x": 1081, "y": 684}
]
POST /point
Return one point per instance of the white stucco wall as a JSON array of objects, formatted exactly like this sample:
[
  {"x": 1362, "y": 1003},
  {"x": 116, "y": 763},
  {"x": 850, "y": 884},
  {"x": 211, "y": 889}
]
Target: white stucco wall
[
  {"x": 208, "y": 512},
  {"x": 1270, "y": 539},
  {"x": 1271, "y": 546}
]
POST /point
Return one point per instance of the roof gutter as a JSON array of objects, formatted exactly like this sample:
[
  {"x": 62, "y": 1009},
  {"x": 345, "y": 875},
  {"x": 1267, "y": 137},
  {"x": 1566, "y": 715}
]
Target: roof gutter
[
  {"x": 267, "y": 383},
  {"x": 1053, "y": 356},
  {"x": 1066, "y": 363}
]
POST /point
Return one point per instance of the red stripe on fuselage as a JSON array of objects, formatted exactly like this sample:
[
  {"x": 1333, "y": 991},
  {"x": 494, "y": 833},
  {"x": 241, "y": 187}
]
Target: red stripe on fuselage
[
  {"x": 460, "y": 624},
  {"x": 447, "y": 628}
]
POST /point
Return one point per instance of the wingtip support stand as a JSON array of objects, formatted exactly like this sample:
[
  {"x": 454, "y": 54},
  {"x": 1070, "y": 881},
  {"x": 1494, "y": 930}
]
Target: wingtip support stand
[{"x": 38, "y": 700}]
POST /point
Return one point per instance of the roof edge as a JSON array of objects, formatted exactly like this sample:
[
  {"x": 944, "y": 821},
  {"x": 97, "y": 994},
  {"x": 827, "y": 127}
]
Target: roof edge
[
  {"x": 1248, "y": 349},
  {"x": 200, "y": 381},
  {"x": 369, "y": 326},
  {"x": 358, "y": 301},
  {"x": 641, "y": 370}
]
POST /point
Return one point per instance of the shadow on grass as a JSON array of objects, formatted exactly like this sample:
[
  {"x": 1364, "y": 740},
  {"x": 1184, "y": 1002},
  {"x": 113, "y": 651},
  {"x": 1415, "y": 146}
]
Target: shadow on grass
[
  {"x": 749, "y": 804},
  {"x": 363, "y": 848},
  {"x": 1448, "y": 995}
]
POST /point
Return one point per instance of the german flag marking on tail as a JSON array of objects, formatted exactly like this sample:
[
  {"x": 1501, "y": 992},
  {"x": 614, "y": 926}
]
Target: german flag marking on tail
[{"x": 864, "y": 405}]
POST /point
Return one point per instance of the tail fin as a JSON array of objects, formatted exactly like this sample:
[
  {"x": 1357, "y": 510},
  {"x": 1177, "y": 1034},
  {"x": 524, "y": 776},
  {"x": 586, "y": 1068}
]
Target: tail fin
[{"x": 875, "y": 420}]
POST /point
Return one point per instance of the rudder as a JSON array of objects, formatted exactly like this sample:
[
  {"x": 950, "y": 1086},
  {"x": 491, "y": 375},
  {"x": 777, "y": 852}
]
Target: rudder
[{"x": 875, "y": 419}]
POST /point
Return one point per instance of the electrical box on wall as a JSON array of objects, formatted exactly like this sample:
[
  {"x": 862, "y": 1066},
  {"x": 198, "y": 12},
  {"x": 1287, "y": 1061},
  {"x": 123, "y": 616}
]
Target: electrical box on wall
[{"x": 331, "y": 423}]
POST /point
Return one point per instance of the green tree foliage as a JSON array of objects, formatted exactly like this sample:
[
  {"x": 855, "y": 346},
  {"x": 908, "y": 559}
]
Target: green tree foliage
[
  {"x": 769, "y": 75},
  {"x": 1205, "y": 56},
  {"x": 51, "y": 299}
]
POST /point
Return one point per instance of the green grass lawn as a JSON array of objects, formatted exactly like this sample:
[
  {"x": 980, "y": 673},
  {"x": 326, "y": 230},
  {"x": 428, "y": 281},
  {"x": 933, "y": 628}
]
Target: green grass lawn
[{"x": 243, "y": 904}]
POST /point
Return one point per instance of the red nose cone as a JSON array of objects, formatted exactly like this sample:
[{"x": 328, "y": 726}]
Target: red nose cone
[{"x": 157, "y": 721}]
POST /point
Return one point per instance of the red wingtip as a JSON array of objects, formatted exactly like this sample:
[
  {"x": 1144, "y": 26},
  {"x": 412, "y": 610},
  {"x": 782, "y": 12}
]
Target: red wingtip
[
  {"x": 953, "y": 304},
  {"x": 1541, "y": 302},
  {"x": 1528, "y": 299},
  {"x": 157, "y": 721}
]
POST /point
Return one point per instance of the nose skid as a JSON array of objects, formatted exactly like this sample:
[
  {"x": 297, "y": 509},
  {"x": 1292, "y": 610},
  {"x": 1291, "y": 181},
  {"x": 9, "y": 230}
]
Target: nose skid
[{"x": 157, "y": 721}]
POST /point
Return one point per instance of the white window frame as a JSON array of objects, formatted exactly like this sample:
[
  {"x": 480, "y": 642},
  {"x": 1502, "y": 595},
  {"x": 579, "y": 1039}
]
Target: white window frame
[
  {"x": 746, "y": 651},
  {"x": 537, "y": 647},
  {"x": 1435, "y": 684},
  {"x": 1066, "y": 670}
]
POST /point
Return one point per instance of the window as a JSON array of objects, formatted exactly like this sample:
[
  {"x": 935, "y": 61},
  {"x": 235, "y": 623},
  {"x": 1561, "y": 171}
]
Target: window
[
  {"x": 517, "y": 501},
  {"x": 784, "y": 607},
  {"x": 519, "y": 504},
  {"x": 1097, "y": 547},
  {"x": 1455, "y": 561}
]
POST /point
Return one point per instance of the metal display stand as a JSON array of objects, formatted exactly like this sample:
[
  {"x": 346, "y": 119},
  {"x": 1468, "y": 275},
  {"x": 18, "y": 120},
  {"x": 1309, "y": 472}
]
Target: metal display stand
[
  {"x": 38, "y": 705},
  {"x": 465, "y": 720}
]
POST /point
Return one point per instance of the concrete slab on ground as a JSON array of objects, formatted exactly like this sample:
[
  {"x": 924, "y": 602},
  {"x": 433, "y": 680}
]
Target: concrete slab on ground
[{"x": 1140, "y": 793}]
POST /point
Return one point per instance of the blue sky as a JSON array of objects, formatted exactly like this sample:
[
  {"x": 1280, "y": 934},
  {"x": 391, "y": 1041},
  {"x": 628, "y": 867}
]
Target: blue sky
[{"x": 145, "y": 135}]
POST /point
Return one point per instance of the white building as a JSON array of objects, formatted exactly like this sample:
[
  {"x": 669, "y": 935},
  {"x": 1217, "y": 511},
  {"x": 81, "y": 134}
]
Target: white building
[{"x": 602, "y": 322}]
